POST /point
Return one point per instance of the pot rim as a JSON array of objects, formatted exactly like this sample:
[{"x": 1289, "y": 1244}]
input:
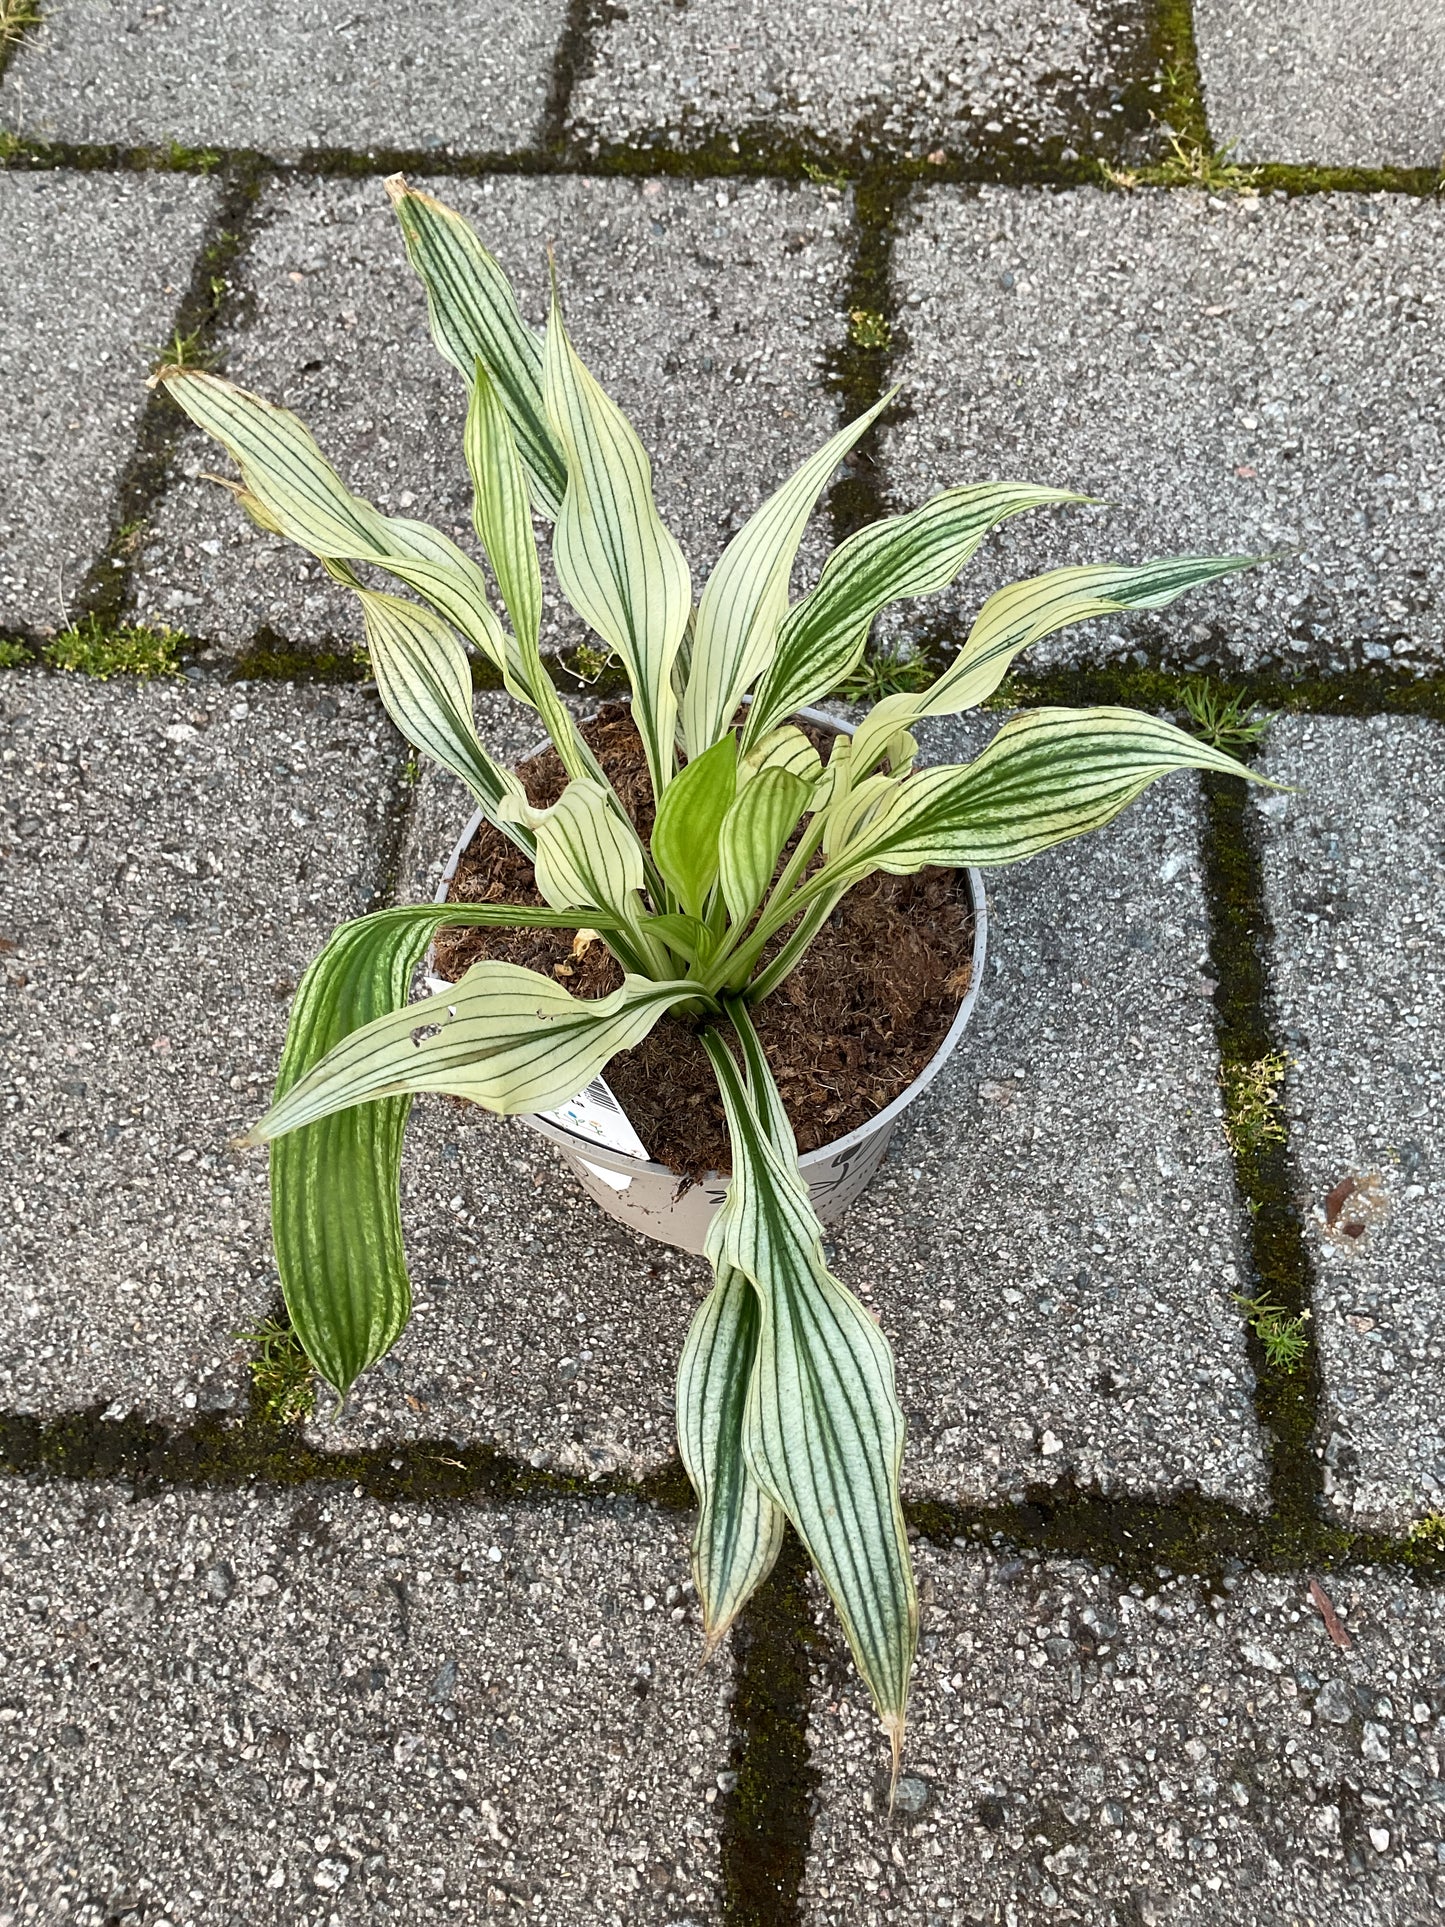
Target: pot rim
[{"x": 621, "y": 1162}]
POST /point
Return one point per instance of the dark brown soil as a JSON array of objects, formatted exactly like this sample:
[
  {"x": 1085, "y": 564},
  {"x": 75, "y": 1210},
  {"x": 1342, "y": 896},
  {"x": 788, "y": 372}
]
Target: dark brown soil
[{"x": 845, "y": 1034}]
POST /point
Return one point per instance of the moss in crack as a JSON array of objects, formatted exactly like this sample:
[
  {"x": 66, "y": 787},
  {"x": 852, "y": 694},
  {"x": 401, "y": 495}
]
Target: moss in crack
[
  {"x": 1286, "y": 1395},
  {"x": 1177, "y": 54},
  {"x": 858, "y": 370},
  {"x": 271, "y": 658},
  {"x": 92, "y": 647},
  {"x": 767, "y": 1814},
  {"x": 13, "y": 653}
]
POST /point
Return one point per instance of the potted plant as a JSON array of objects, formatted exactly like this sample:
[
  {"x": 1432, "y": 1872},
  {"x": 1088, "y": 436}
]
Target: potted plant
[{"x": 786, "y": 1404}]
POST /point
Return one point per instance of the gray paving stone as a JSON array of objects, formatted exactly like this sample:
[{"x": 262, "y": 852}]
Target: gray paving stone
[
  {"x": 1330, "y": 84},
  {"x": 707, "y": 309},
  {"x": 1240, "y": 375},
  {"x": 541, "y": 1326},
  {"x": 170, "y": 857},
  {"x": 313, "y": 1710},
  {"x": 286, "y": 78},
  {"x": 1354, "y": 874},
  {"x": 92, "y": 270},
  {"x": 1053, "y": 1242},
  {"x": 908, "y": 77},
  {"x": 1089, "y": 1751}
]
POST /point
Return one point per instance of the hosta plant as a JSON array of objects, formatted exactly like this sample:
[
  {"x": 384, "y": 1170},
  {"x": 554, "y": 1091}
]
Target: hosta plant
[{"x": 785, "y": 1400}]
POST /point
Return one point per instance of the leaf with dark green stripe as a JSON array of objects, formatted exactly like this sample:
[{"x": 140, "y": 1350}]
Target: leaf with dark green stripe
[
  {"x": 822, "y": 1430},
  {"x": 475, "y": 317},
  {"x": 825, "y": 634},
  {"x": 1048, "y": 775},
  {"x": 746, "y": 595},
  {"x": 503, "y": 1037},
  {"x": 617, "y": 564},
  {"x": 739, "y": 1528},
  {"x": 335, "y": 1211},
  {"x": 1025, "y": 612},
  {"x": 586, "y": 851}
]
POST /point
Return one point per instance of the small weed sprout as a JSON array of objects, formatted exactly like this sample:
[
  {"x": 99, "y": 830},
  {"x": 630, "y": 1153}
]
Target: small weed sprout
[
  {"x": 1282, "y": 1336},
  {"x": 281, "y": 1378},
  {"x": 93, "y": 648},
  {"x": 887, "y": 672},
  {"x": 15, "y": 17},
  {"x": 867, "y": 328},
  {"x": 12, "y": 654},
  {"x": 182, "y": 351},
  {"x": 1223, "y": 717},
  {"x": 1251, "y": 1102},
  {"x": 1428, "y": 1534},
  {"x": 588, "y": 663}
]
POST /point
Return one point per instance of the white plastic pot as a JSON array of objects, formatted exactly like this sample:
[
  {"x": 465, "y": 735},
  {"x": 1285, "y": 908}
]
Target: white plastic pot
[{"x": 655, "y": 1201}]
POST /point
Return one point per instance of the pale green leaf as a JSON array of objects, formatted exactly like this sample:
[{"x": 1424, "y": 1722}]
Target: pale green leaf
[
  {"x": 587, "y": 853},
  {"x": 689, "y": 819},
  {"x": 475, "y": 318},
  {"x": 825, "y": 634},
  {"x": 822, "y": 1432},
  {"x": 746, "y": 595},
  {"x": 761, "y": 820},
  {"x": 739, "y": 1528},
  {"x": 783, "y": 748},
  {"x": 501, "y": 511},
  {"x": 689, "y": 936},
  {"x": 617, "y": 564},
  {"x": 503, "y": 1037}
]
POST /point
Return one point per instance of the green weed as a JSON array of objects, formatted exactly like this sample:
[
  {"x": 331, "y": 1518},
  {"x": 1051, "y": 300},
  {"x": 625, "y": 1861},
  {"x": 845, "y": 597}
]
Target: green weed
[
  {"x": 15, "y": 17},
  {"x": 1283, "y": 1337},
  {"x": 1251, "y": 1102},
  {"x": 182, "y": 351},
  {"x": 867, "y": 328},
  {"x": 92, "y": 648},
  {"x": 884, "y": 673},
  {"x": 587, "y": 662},
  {"x": 12, "y": 654},
  {"x": 282, "y": 1383},
  {"x": 824, "y": 176},
  {"x": 1428, "y": 1534},
  {"x": 1223, "y": 717}
]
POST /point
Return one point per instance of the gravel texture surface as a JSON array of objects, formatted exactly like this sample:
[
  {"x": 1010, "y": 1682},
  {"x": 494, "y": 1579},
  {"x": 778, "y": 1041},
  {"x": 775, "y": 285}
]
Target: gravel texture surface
[
  {"x": 1326, "y": 82},
  {"x": 92, "y": 270},
  {"x": 1177, "y": 1750},
  {"x": 287, "y": 78},
  {"x": 309, "y": 1709},
  {"x": 169, "y": 860},
  {"x": 908, "y": 77},
  {"x": 1053, "y": 1240},
  {"x": 1355, "y": 873},
  {"x": 706, "y": 309},
  {"x": 1228, "y": 376}
]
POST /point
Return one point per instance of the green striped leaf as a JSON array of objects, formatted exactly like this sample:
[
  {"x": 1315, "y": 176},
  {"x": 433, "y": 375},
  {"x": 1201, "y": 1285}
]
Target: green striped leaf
[
  {"x": 586, "y": 851},
  {"x": 425, "y": 684},
  {"x": 825, "y": 634},
  {"x": 503, "y": 1037},
  {"x": 1026, "y": 612},
  {"x": 617, "y": 564},
  {"x": 746, "y": 595},
  {"x": 783, "y": 748},
  {"x": 1048, "y": 775},
  {"x": 501, "y": 511},
  {"x": 335, "y": 1205},
  {"x": 689, "y": 819},
  {"x": 739, "y": 1528},
  {"x": 475, "y": 318},
  {"x": 822, "y": 1430},
  {"x": 766, "y": 813}
]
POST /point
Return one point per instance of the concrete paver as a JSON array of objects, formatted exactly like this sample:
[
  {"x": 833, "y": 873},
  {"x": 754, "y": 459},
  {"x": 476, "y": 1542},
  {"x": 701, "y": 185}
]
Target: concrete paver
[
  {"x": 287, "y": 78},
  {"x": 707, "y": 309},
  {"x": 1353, "y": 873},
  {"x": 309, "y": 1708},
  {"x": 1324, "y": 82},
  {"x": 1172, "y": 1750},
  {"x": 92, "y": 270},
  {"x": 170, "y": 858},
  {"x": 1053, "y": 1242},
  {"x": 907, "y": 77},
  {"x": 1227, "y": 375}
]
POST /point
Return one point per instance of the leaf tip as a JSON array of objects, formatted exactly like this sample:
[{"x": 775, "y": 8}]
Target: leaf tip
[
  {"x": 396, "y": 188},
  {"x": 893, "y": 1726}
]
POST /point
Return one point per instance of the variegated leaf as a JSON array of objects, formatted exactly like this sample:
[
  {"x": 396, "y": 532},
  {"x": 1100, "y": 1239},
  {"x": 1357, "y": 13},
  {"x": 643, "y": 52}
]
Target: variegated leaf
[
  {"x": 475, "y": 318},
  {"x": 739, "y": 1528},
  {"x": 825, "y": 634},
  {"x": 587, "y": 853},
  {"x": 822, "y": 1433},
  {"x": 764, "y": 816},
  {"x": 783, "y": 748},
  {"x": 746, "y": 595},
  {"x": 504, "y": 1037},
  {"x": 618, "y": 566}
]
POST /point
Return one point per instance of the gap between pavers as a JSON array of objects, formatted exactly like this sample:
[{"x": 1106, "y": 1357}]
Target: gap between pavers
[
  {"x": 1228, "y": 375},
  {"x": 288, "y": 78},
  {"x": 892, "y": 77},
  {"x": 707, "y": 309},
  {"x": 1173, "y": 1750},
  {"x": 1053, "y": 1241},
  {"x": 1324, "y": 83},
  {"x": 1354, "y": 883},
  {"x": 170, "y": 859},
  {"x": 310, "y": 1708},
  {"x": 93, "y": 268}
]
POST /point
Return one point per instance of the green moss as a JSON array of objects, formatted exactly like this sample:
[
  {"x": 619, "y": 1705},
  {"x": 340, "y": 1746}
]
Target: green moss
[
  {"x": 271, "y": 658},
  {"x": 96, "y": 648},
  {"x": 1252, "y": 1115},
  {"x": 12, "y": 654},
  {"x": 283, "y": 1387}
]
